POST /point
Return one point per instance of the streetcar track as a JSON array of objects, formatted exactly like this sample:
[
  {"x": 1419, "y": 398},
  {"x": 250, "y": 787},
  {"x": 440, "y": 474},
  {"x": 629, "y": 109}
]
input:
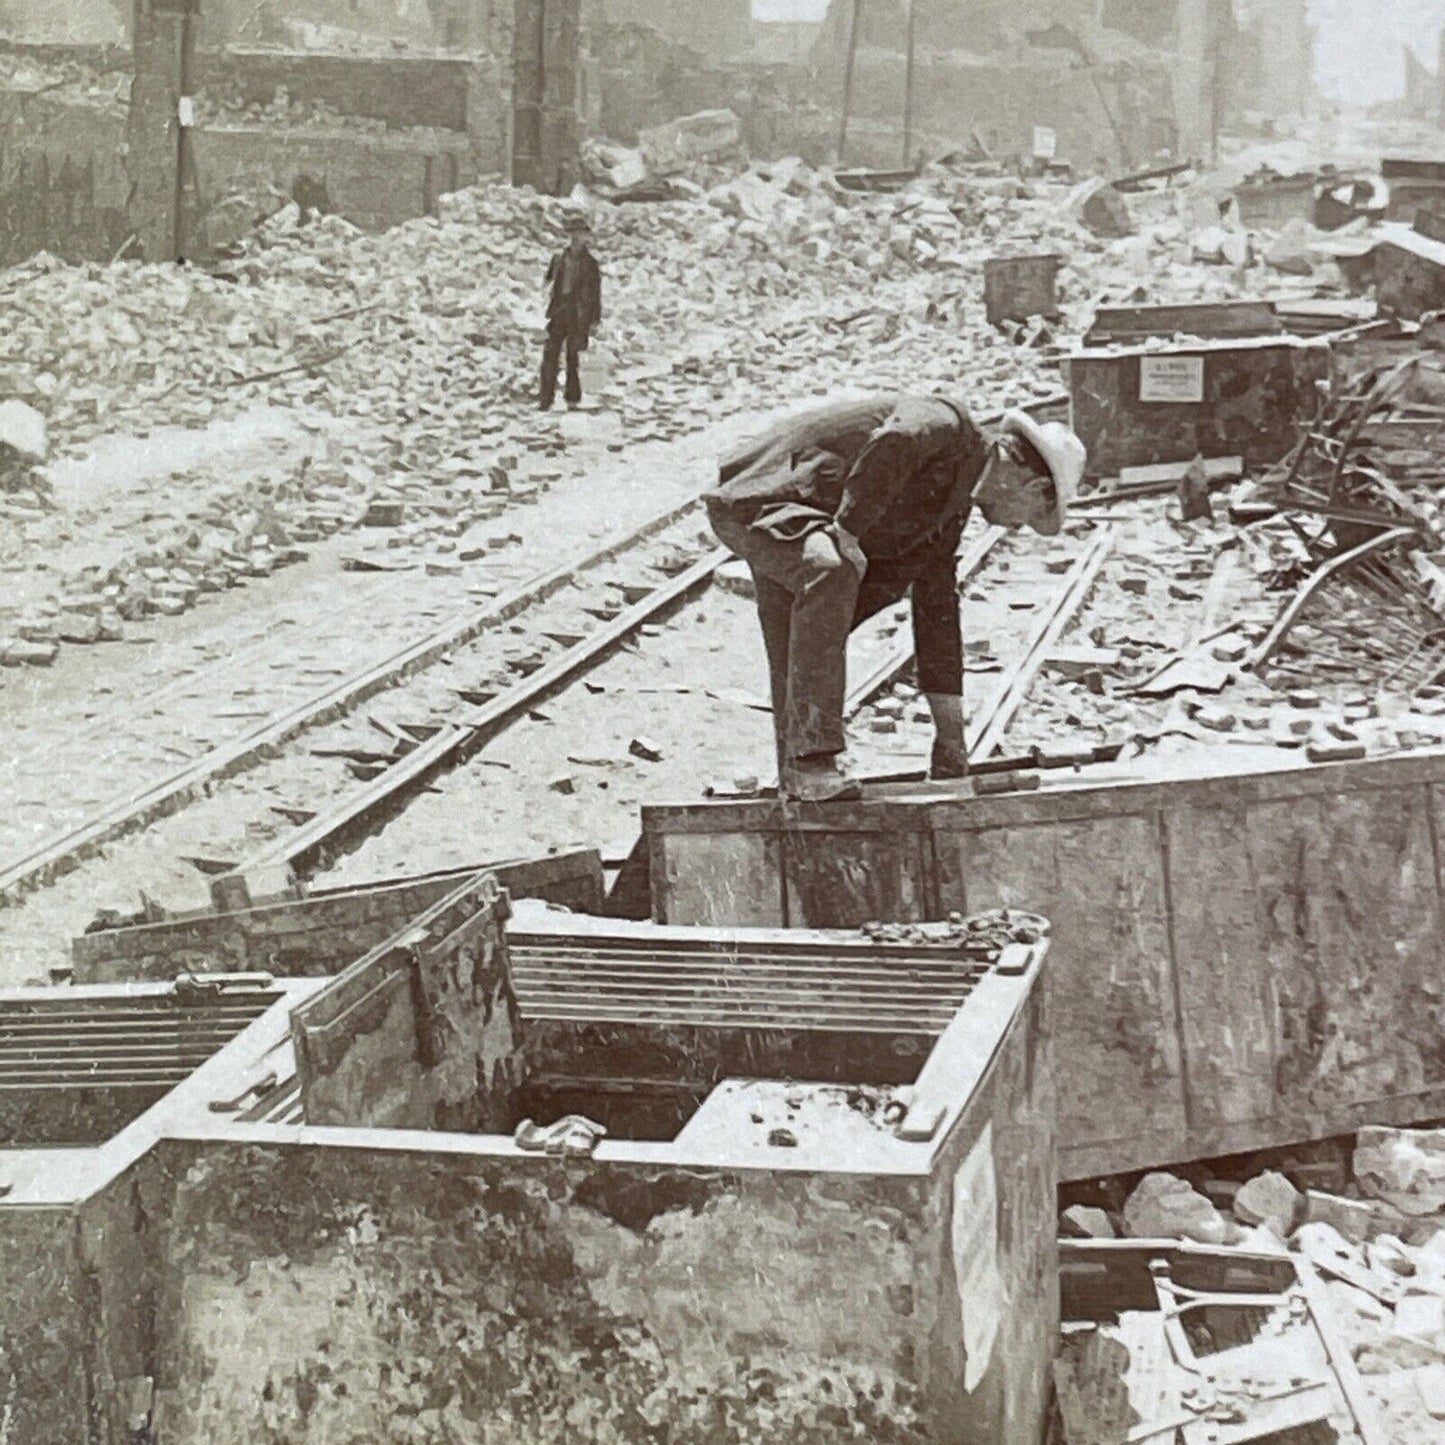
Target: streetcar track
[{"x": 67, "y": 848}]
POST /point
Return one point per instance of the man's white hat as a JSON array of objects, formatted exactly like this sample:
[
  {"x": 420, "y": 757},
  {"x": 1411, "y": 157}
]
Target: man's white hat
[{"x": 1063, "y": 453}]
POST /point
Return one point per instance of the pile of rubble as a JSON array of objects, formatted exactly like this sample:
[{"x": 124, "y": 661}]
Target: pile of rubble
[
  {"x": 767, "y": 286},
  {"x": 423, "y": 342},
  {"x": 1377, "y": 1238}
]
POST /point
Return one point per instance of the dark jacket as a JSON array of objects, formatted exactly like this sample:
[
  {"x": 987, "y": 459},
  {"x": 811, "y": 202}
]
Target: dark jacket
[
  {"x": 896, "y": 471},
  {"x": 577, "y": 314}
]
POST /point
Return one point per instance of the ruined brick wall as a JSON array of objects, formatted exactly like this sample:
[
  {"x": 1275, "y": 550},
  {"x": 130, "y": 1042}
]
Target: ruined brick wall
[
  {"x": 401, "y": 90},
  {"x": 1107, "y": 118},
  {"x": 78, "y": 22},
  {"x": 329, "y": 1294},
  {"x": 63, "y": 184},
  {"x": 371, "y": 181},
  {"x": 721, "y": 29}
]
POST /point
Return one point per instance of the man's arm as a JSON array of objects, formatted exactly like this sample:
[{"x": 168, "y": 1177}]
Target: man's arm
[{"x": 938, "y": 649}]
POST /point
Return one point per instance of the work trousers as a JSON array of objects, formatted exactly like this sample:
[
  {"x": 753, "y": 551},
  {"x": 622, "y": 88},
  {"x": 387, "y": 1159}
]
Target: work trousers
[
  {"x": 558, "y": 338},
  {"x": 806, "y": 612}
]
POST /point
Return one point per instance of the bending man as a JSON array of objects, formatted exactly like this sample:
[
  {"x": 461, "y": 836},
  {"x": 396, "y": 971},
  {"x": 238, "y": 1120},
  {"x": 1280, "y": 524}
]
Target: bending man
[{"x": 840, "y": 511}]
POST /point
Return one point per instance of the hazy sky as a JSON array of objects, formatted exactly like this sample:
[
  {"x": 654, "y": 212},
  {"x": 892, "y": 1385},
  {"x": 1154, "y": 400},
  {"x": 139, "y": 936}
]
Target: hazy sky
[
  {"x": 794, "y": 9},
  {"x": 1359, "y": 55},
  {"x": 1359, "y": 58}
]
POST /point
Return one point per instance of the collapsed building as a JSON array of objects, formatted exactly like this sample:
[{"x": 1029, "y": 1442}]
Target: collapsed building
[{"x": 374, "y": 111}]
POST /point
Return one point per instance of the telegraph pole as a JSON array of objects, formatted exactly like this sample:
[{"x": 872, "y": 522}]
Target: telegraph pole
[
  {"x": 908, "y": 91},
  {"x": 848, "y": 76}
]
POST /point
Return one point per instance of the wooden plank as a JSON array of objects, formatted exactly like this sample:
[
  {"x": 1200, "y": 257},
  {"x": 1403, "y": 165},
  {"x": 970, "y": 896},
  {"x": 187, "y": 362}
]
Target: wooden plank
[
  {"x": 1205, "y": 318},
  {"x": 1110, "y": 977},
  {"x": 718, "y": 879},
  {"x": 1348, "y": 889},
  {"x": 948, "y": 809},
  {"x": 840, "y": 880},
  {"x": 1224, "y": 989}
]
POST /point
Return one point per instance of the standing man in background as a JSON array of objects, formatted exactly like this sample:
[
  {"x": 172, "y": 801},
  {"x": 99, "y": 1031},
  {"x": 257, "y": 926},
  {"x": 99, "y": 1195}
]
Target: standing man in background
[{"x": 573, "y": 309}]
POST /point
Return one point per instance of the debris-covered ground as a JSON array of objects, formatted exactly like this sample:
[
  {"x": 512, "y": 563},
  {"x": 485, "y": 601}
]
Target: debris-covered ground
[
  {"x": 286, "y": 466},
  {"x": 1370, "y": 1222}
]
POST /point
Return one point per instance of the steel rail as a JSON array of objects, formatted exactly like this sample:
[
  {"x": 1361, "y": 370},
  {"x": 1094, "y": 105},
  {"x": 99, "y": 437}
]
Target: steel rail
[
  {"x": 63, "y": 851},
  {"x": 333, "y": 833},
  {"x": 985, "y": 731}
]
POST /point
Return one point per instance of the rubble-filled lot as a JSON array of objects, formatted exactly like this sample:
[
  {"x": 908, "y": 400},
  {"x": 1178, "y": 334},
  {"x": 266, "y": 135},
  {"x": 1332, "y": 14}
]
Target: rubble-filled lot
[
  {"x": 359, "y": 407},
  {"x": 354, "y": 412},
  {"x": 373, "y": 366}
]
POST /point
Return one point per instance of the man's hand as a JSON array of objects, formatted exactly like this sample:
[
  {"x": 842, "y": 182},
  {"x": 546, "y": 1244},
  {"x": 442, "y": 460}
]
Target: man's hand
[{"x": 849, "y": 550}]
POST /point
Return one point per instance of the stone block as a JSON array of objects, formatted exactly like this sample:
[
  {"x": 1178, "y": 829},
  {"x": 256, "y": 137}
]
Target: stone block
[
  {"x": 1164, "y": 1206},
  {"x": 1268, "y": 1199},
  {"x": 1403, "y": 1167}
]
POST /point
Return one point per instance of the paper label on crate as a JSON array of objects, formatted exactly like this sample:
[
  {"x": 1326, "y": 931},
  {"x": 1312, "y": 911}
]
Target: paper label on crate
[
  {"x": 1046, "y": 143},
  {"x": 981, "y": 1292},
  {"x": 1171, "y": 378}
]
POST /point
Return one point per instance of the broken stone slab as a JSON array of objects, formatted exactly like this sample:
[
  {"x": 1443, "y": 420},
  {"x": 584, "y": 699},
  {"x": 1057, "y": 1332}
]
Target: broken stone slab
[
  {"x": 1101, "y": 208},
  {"x": 1403, "y": 1167},
  {"x": 1390, "y": 1256},
  {"x": 1268, "y": 1199},
  {"x": 1421, "y": 1317},
  {"x": 1164, "y": 1206},
  {"x": 22, "y": 653},
  {"x": 1430, "y": 1386},
  {"x": 708, "y": 135},
  {"x": 1334, "y": 1255},
  {"x": 384, "y": 513},
  {"x": 79, "y": 627},
  {"x": 1082, "y": 1221},
  {"x": 1352, "y": 1218},
  {"x": 1385, "y": 1351},
  {"x": 1074, "y": 663},
  {"x": 23, "y": 430},
  {"x": 1290, "y": 251}
]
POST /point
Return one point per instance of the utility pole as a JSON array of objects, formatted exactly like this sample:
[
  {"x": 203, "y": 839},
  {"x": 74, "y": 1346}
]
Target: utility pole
[
  {"x": 160, "y": 155},
  {"x": 185, "y": 119},
  {"x": 1440, "y": 83},
  {"x": 908, "y": 91},
  {"x": 848, "y": 76}
]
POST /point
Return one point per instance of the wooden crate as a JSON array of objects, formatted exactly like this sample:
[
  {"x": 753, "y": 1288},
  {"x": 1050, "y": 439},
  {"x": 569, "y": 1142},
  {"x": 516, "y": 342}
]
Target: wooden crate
[
  {"x": 1239, "y": 961},
  {"x": 1245, "y": 397},
  {"x": 1017, "y": 287}
]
